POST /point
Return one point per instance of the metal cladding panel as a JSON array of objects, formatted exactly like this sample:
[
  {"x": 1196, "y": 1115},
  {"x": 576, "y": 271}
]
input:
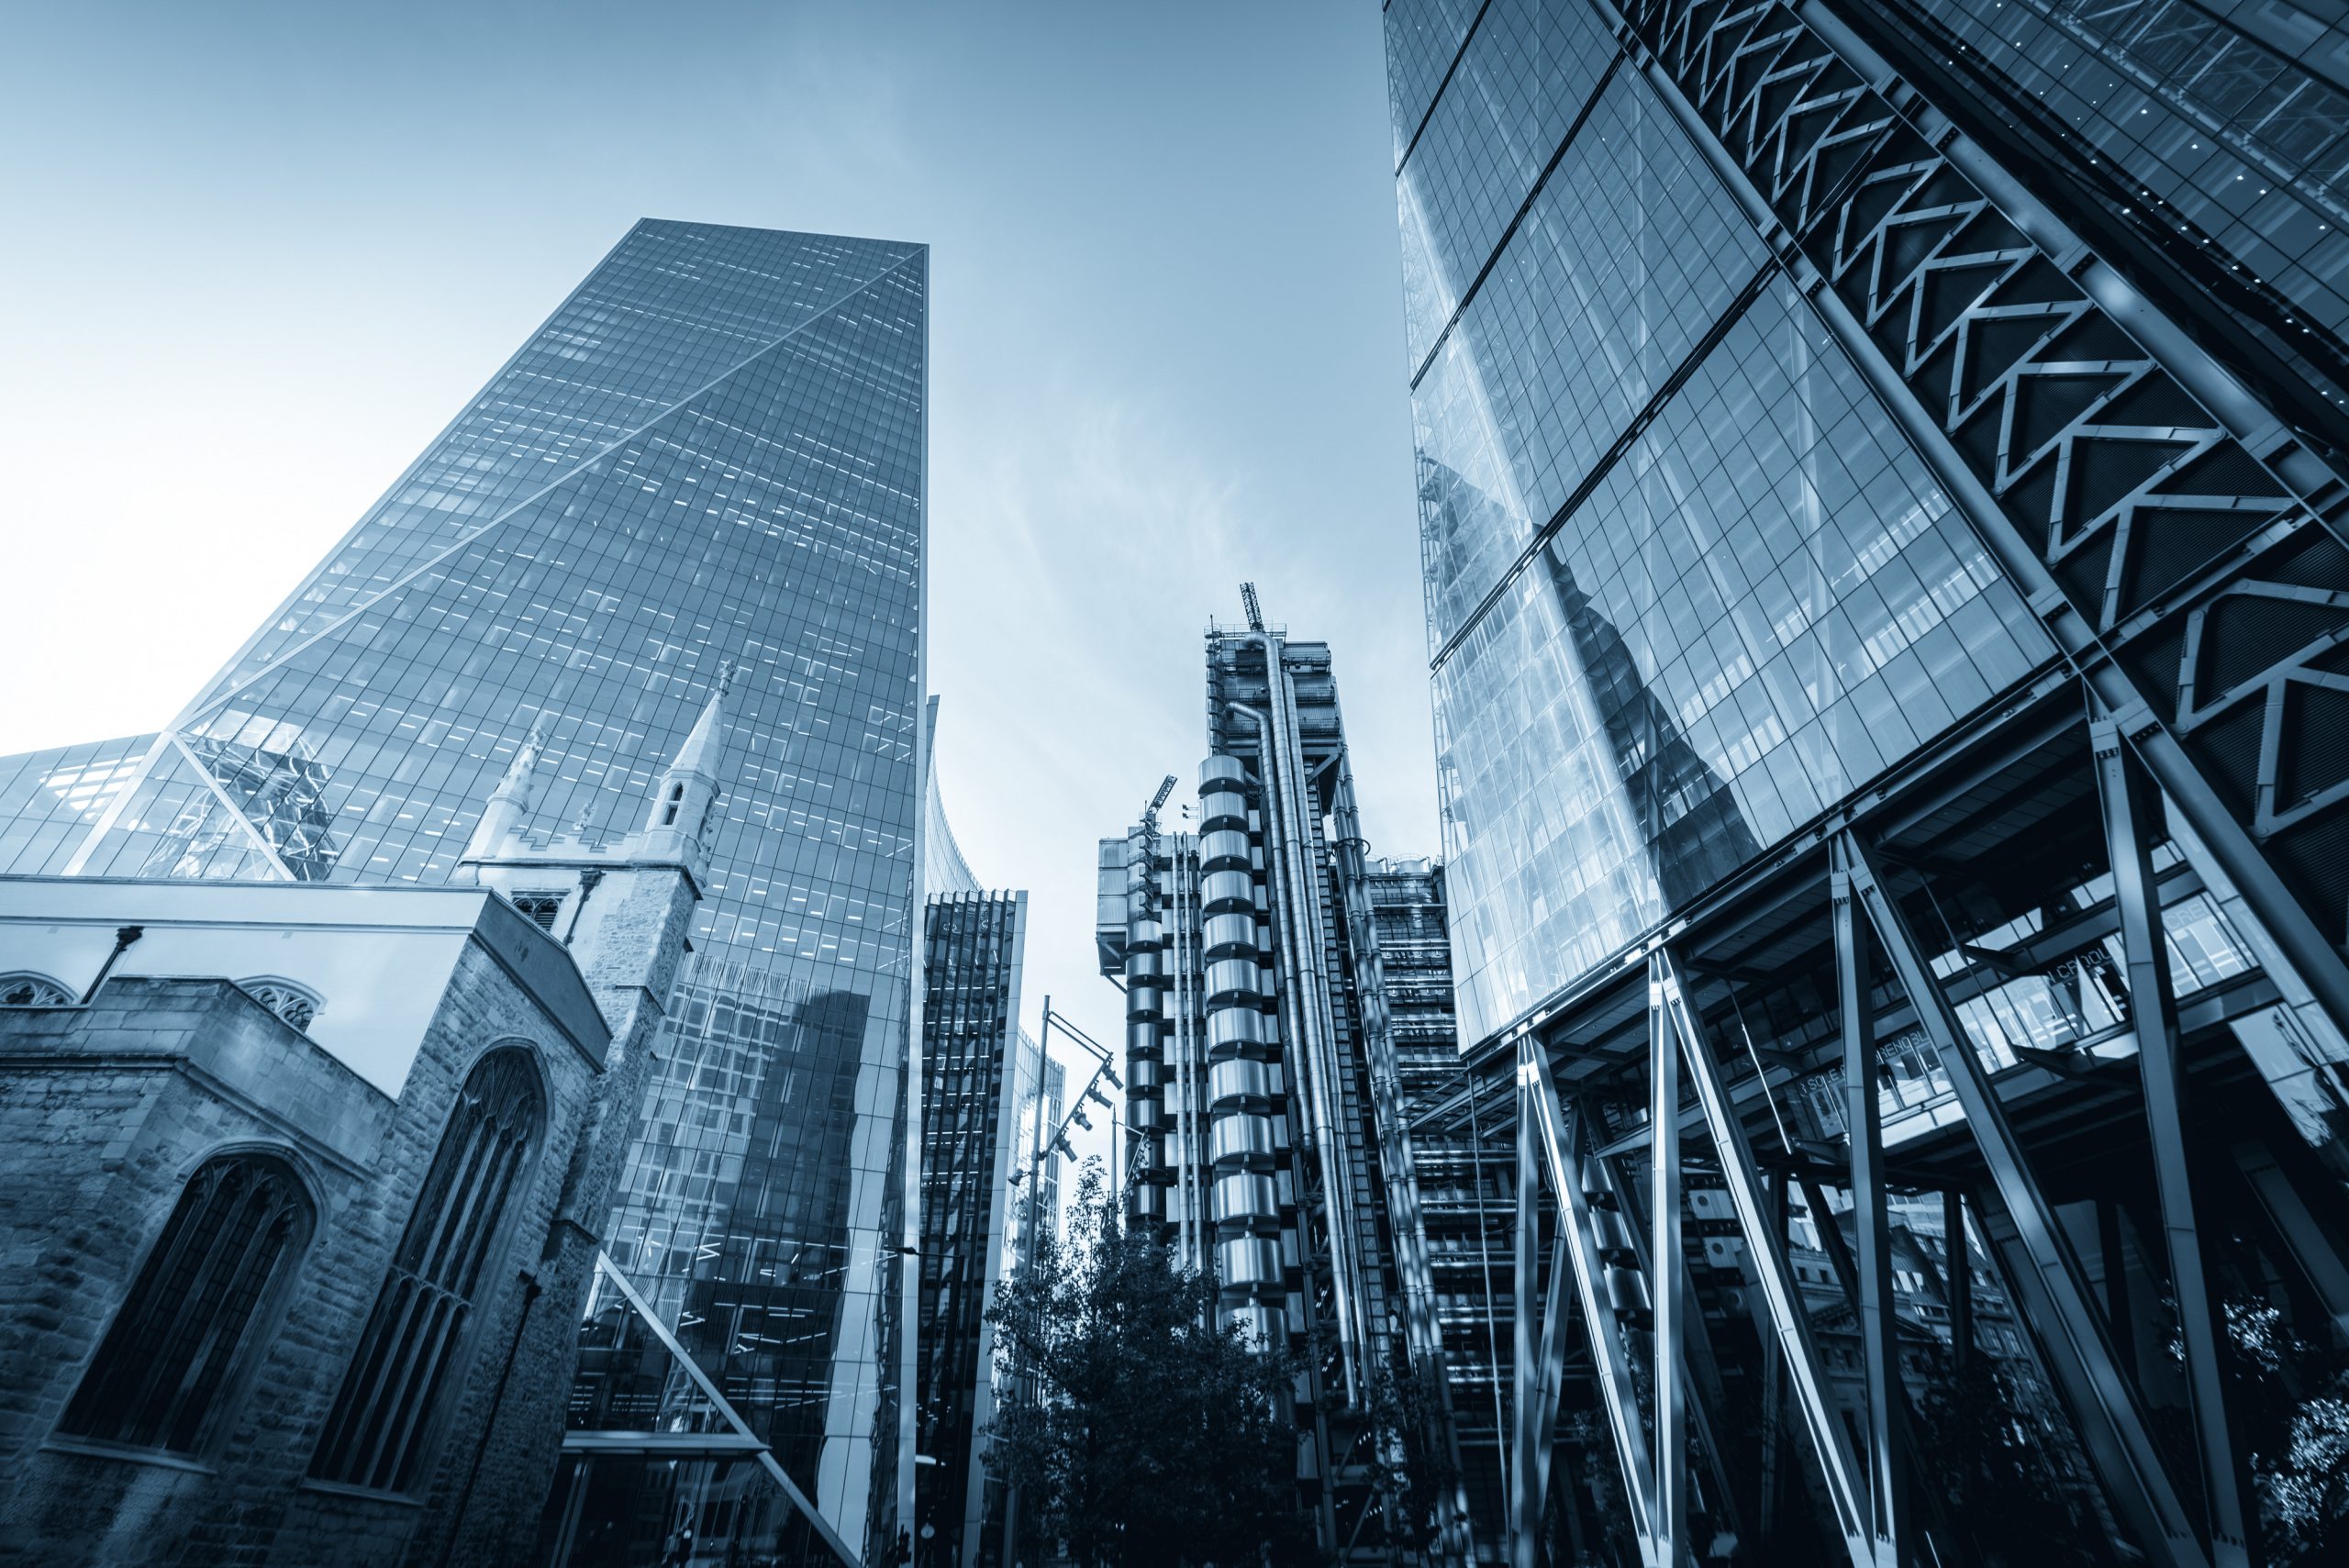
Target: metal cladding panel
[
  {"x": 1227, "y": 890},
  {"x": 1238, "y": 1078},
  {"x": 1230, "y": 936},
  {"x": 1242, "y": 1137},
  {"x": 1224, "y": 850},
  {"x": 1234, "y": 978},
  {"x": 1237, "y": 1026},
  {"x": 1246, "y": 1198},
  {"x": 1249, "y": 1261}
]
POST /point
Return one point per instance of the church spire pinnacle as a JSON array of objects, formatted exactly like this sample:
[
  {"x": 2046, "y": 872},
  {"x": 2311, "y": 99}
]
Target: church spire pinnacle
[
  {"x": 699, "y": 753},
  {"x": 687, "y": 788},
  {"x": 520, "y": 782},
  {"x": 508, "y": 806}
]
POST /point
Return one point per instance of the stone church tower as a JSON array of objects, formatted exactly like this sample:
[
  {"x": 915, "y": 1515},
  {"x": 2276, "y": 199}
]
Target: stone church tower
[
  {"x": 310, "y": 1179},
  {"x": 623, "y": 907}
]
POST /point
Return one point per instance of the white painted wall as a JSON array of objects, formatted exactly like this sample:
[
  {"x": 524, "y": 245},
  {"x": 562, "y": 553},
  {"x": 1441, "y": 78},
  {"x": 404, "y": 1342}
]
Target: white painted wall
[{"x": 379, "y": 958}]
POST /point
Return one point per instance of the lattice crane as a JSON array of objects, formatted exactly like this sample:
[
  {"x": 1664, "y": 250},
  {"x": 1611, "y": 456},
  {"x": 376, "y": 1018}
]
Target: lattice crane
[{"x": 1150, "y": 812}]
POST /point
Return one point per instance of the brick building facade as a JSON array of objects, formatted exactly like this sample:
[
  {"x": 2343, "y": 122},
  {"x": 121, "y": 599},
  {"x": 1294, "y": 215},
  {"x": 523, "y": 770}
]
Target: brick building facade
[{"x": 302, "y": 1190}]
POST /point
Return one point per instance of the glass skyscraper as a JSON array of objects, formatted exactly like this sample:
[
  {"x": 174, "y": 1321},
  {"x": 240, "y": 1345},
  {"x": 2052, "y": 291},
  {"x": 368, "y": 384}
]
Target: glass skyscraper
[
  {"x": 1662, "y": 517},
  {"x": 1882, "y": 474},
  {"x": 712, "y": 455},
  {"x": 975, "y": 1081}
]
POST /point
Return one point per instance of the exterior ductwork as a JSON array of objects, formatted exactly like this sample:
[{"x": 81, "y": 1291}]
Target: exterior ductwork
[
  {"x": 1185, "y": 1071},
  {"x": 1307, "y": 1002},
  {"x": 1242, "y": 1141},
  {"x": 1145, "y": 1030},
  {"x": 1386, "y": 1090},
  {"x": 1265, "y": 1067}
]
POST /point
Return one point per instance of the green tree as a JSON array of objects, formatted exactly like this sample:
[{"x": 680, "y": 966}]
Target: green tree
[
  {"x": 1977, "y": 1447},
  {"x": 1150, "y": 1434},
  {"x": 2289, "y": 1400},
  {"x": 1412, "y": 1472}
]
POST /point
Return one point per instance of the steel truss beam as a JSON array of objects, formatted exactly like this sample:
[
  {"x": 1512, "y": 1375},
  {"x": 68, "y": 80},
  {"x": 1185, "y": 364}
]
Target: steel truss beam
[
  {"x": 1666, "y": 1273},
  {"x": 2153, "y": 1007},
  {"x": 2182, "y": 549},
  {"x": 1805, "y": 1374},
  {"x": 1653, "y": 1468},
  {"x": 1879, "y": 1331},
  {"x": 1543, "y": 1143},
  {"x": 2103, "y": 1398}
]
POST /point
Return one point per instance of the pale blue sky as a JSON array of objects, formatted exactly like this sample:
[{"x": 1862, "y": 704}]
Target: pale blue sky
[{"x": 258, "y": 254}]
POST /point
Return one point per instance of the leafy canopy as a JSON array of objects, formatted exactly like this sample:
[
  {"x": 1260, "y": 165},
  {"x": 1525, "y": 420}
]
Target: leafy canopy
[{"x": 1141, "y": 1431}]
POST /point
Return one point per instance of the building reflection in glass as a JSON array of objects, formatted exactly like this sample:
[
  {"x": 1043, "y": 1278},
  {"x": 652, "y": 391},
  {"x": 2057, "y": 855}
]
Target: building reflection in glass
[{"x": 711, "y": 453}]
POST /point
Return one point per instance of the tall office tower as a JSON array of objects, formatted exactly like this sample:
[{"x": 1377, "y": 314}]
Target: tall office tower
[
  {"x": 990, "y": 1184},
  {"x": 1264, "y": 1102},
  {"x": 1882, "y": 491},
  {"x": 980, "y": 1075},
  {"x": 1461, "y": 1192},
  {"x": 710, "y": 456}
]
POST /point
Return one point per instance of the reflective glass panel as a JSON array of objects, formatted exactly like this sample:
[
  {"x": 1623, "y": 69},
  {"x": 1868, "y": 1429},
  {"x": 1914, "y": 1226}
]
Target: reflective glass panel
[
  {"x": 1616, "y": 273},
  {"x": 1762, "y": 605},
  {"x": 711, "y": 453}
]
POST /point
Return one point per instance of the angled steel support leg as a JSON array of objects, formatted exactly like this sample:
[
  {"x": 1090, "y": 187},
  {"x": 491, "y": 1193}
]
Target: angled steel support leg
[
  {"x": 2102, "y": 1397},
  {"x": 2153, "y": 1007},
  {"x": 1957, "y": 1268},
  {"x": 1701, "y": 1370},
  {"x": 1617, "y": 1390},
  {"x": 1549, "y": 1381},
  {"x": 1666, "y": 1267},
  {"x": 1879, "y": 1332},
  {"x": 1805, "y": 1372},
  {"x": 1701, "y": 1373},
  {"x": 1525, "y": 1508},
  {"x": 1774, "y": 1399}
]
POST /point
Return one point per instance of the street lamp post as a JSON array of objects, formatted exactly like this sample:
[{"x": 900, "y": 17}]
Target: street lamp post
[{"x": 1033, "y": 1176}]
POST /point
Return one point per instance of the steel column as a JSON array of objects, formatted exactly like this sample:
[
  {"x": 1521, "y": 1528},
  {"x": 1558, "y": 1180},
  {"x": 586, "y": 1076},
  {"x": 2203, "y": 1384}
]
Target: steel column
[
  {"x": 1525, "y": 1522},
  {"x": 1774, "y": 1399},
  {"x": 1864, "y": 1118},
  {"x": 1957, "y": 1270},
  {"x": 2102, "y": 1399},
  {"x": 2117, "y": 1321},
  {"x": 1549, "y": 1381},
  {"x": 2304, "y": 1240},
  {"x": 2153, "y": 1009},
  {"x": 1667, "y": 1272},
  {"x": 1539, "y": 1101},
  {"x": 1837, "y": 1468},
  {"x": 1701, "y": 1372}
]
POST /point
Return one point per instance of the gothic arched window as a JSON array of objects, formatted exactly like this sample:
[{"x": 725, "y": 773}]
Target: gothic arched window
[
  {"x": 200, "y": 1307},
  {"x": 26, "y": 989},
  {"x": 297, "y": 1005},
  {"x": 382, "y": 1422}
]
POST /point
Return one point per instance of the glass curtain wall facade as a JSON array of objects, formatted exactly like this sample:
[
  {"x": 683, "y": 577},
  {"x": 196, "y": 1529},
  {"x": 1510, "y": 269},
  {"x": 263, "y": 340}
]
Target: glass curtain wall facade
[
  {"x": 974, "y": 1078},
  {"x": 1686, "y": 584},
  {"x": 712, "y": 453},
  {"x": 1881, "y": 477}
]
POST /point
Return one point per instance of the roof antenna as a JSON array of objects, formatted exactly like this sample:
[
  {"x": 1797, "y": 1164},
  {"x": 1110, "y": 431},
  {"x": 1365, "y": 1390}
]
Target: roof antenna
[{"x": 1150, "y": 812}]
